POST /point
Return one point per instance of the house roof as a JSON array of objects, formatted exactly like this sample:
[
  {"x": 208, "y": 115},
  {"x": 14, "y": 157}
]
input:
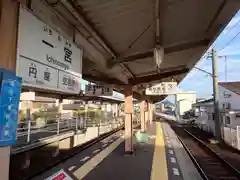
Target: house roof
[
  {"x": 166, "y": 102},
  {"x": 231, "y": 86},
  {"x": 204, "y": 103}
]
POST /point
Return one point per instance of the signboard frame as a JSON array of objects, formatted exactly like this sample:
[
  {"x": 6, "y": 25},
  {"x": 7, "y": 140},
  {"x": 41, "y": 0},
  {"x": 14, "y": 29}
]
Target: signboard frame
[
  {"x": 45, "y": 59},
  {"x": 163, "y": 88},
  {"x": 98, "y": 90}
]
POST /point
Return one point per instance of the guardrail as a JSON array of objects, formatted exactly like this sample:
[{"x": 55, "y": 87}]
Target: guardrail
[{"x": 32, "y": 131}]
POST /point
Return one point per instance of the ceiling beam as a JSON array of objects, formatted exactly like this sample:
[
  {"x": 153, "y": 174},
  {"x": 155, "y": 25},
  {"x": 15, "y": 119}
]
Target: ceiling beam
[
  {"x": 171, "y": 68},
  {"x": 136, "y": 95},
  {"x": 167, "y": 50},
  {"x": 88, "y": 25},
  {"x": 156, "y": 77},
  {"x": 156, "y": 99},
  {"x": 216, "y": 15},
  {"x": 106, "y": 80}
]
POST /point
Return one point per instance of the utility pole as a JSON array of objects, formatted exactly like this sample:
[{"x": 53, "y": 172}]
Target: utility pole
[
  {"x": 226, "y": 69},
  {"x": 216, "y": 98}
]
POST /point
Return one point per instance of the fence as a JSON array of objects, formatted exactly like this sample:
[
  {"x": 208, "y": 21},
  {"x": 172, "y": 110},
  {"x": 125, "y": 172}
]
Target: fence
[
  {"x": 32, "y": 130},
  {"x": 231, "y": 136}
]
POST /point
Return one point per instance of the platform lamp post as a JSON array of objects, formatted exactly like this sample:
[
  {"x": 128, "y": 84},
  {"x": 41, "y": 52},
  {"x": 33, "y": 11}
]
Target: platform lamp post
[{"x": 214, "y": 75}]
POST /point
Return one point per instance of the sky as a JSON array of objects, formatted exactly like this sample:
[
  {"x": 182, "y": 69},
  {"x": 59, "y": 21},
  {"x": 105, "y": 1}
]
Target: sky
[{"x": 227, "y": 44}]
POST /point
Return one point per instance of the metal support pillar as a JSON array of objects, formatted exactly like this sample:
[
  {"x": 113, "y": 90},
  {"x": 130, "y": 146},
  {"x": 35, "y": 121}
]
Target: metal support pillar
[
  {"x": 146, "y": 114},
  {"x": 128, "y": 119},
  {"x": 86, "y": 114},
  {"x": 150, "y": 112},
  {"x": 28, "y": 118},
  {"x": 60, "y": 109},
  {"x": 142, "y": 115},
  {"x": 216, "y": 98},
  {"x": 9, "y": 12},
  {"x": 60, "y": 105}
]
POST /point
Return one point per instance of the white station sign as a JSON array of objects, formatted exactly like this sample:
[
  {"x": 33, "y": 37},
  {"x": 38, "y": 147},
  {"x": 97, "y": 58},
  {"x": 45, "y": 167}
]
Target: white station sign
[
  {"x": 47, "y": 60},
  {"x": 98, "y": 90},
  {"x": 164, "y": 88}
]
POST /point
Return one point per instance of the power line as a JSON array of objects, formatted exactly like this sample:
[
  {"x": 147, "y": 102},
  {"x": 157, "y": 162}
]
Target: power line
[
  {"x": 230, "y": 30},
  {"x": 210, "y": 74},
  {"x": 233, "y": 26},
  {"x": 230, "y": 41}
]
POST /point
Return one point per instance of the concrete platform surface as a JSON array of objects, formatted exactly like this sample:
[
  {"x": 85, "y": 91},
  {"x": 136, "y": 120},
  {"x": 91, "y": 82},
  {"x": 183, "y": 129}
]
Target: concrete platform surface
[{"x": 160, "y": 157}]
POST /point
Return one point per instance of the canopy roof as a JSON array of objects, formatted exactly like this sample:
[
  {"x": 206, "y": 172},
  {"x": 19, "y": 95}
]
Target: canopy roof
[{"x": 118, "y": 36}]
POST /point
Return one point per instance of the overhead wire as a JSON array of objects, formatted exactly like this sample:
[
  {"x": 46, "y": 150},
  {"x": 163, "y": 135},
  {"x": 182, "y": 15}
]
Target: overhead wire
[
  {"x": 228, "y": 32},
  {"x": 230, "y": 42}
]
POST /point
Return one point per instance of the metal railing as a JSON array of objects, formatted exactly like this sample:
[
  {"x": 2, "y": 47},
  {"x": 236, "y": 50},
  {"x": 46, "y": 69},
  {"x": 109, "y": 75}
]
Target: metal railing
[{"x": 30, "y": 131}]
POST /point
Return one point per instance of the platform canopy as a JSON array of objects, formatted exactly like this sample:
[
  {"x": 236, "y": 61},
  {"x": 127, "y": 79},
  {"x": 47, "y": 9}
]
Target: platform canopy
[{"x": 118, "y": 36}]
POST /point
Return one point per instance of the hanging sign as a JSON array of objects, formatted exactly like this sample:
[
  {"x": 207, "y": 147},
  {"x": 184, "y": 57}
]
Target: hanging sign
[
  {"x": 98, "y": 90},
  {"x": 47, "y": 60},
  {"x": 164, "y": 88}
]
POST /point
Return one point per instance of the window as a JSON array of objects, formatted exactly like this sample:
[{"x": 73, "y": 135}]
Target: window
[
  {"x": 221, "y": 119},
  {"x": 226, "y": 105},
  {"x": 227, "y": 120},
  {"x": 209, "y": 116},
  {"x": 213, "y": 116}
]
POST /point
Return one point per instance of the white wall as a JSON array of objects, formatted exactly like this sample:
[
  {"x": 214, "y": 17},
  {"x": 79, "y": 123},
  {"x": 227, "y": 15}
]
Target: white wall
[
  {"x": 184, "y": 102},
  {"x": 204, "y": 115},
  {"x": 232, "y": 98},
  {"x": 202, "y": 118},
  {"x": 235, "y": 122}
]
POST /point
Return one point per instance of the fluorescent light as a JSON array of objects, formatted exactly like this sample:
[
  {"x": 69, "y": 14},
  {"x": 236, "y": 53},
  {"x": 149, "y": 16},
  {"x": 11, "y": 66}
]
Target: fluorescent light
[{"x": 158, "y": 55}]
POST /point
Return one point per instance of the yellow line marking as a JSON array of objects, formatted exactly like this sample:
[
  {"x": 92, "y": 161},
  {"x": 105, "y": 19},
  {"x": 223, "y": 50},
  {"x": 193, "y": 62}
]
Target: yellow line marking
[
  {"x": 159, "y": 166},
  {"x": 92, "y": 163}
]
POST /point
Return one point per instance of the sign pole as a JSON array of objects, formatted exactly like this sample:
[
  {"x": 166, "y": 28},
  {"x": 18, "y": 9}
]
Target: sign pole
[{"x": 9, "y": 24}]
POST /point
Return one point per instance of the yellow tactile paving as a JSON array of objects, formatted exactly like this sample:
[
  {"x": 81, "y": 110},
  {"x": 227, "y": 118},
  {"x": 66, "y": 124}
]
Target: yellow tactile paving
[{"x": 159, "y": 165}]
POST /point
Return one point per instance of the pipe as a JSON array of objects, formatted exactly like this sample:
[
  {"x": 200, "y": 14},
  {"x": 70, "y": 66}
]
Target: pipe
[{"x": 157, "y": 17}]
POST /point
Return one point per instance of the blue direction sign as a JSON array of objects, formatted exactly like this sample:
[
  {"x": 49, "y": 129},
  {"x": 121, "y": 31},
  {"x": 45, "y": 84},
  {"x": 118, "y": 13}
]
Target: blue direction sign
[{"x": 10, "y": 90}]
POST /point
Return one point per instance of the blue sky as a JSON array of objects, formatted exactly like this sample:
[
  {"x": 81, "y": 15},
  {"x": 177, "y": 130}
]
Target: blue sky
[{"x": 200, "y": 82}]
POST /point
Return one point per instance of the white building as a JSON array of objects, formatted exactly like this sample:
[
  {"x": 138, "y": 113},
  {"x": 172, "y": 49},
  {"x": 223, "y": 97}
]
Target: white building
[
  {"x": 229, "y": 102},
  {"x": 184, "y": 101},
  {"x": 229, "y": 105},
  {"x": 204, "y": 111}
]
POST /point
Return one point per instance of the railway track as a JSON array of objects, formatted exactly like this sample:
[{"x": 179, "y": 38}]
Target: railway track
[
  {"x": 29, "y": 174},
  {"x": 209, "y": 164}
]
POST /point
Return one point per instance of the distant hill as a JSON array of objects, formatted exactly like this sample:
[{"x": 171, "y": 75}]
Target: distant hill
[{"x": 166, "y": 102}]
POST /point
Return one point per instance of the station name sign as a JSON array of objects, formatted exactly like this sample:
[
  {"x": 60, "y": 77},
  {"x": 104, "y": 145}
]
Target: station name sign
[
  {"x": 98, "y": 90},
  {"x": 164, "y": 88},
  {"x": 47, "y": 60}
]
